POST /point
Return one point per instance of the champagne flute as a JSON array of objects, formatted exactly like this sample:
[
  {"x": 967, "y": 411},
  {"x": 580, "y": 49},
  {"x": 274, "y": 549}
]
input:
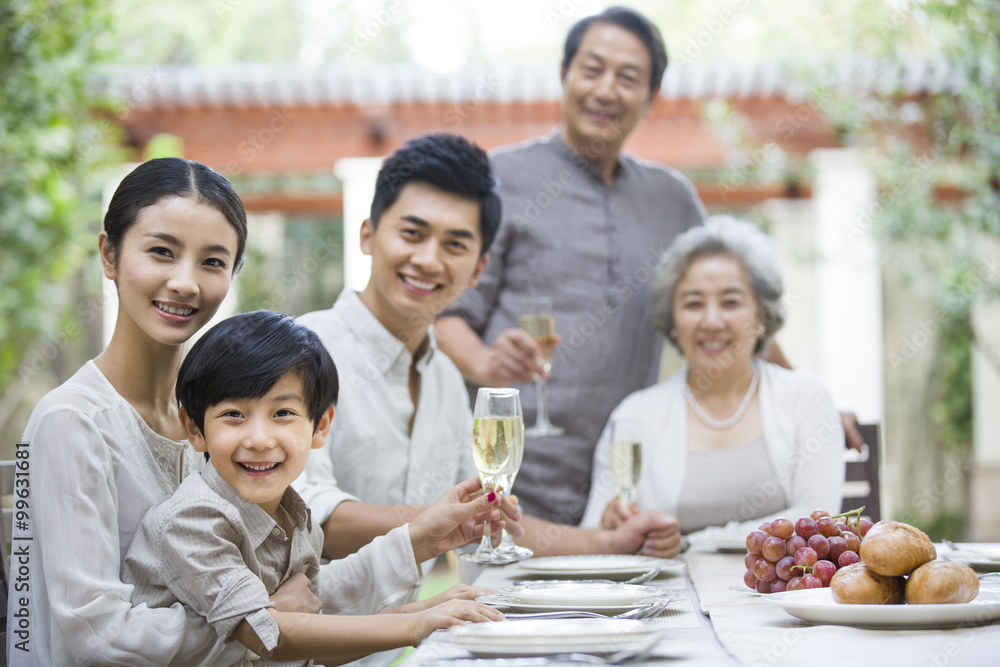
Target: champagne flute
[
  {"x": 626, "y": 458},
  {"x": 537, "y": 320},
  {"x": 507, "y": 546},
  {"x": 497, "y": 431}
]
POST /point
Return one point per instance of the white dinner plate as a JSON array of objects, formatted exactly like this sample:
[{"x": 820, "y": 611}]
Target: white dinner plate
[
  {"x": 742, "y": 588},
  {"x": 573, "y": 596},
  {"x": 730, "y": 546},
  {"x": 980, "y": 557},
  {"x": 816, "y": 605},
  {"x": 540, "y": 637},
  {"x": 505, "y": 604},
  {"x": 579, "y": 593},
  {"x": 606, "y": 566}
]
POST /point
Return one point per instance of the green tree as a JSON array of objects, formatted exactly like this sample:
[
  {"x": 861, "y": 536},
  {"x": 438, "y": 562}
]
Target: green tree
[
  {"x": 50, "y": 142},
  {"x": 937, "y": 159},
  {"x": 920, "y": 146}
]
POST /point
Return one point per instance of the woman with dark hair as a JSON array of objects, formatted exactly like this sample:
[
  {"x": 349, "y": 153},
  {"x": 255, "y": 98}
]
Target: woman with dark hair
[
  {"x": 108, "y": 443},
  {"x": 730, "y": 439}
]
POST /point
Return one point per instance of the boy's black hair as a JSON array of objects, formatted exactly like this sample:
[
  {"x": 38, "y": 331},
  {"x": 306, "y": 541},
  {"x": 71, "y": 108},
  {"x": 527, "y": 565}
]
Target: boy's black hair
[
  {"x": 632, "y": 21},
  {"x": 448, "y": 162},
  {"x": 244, "y": 356}
]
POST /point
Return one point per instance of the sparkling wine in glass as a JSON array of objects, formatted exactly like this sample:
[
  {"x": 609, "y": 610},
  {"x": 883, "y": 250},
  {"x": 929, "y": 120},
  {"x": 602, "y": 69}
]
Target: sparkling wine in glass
[
  {"x": 497, "y": 432},
  {"x": 537, "y": 320},
  {"x": 507, "y": 546},
  {"x": 626, "y": 458}
]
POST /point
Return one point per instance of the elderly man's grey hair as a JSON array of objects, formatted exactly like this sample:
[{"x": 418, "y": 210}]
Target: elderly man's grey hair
[{"x": 721, "y": 235}]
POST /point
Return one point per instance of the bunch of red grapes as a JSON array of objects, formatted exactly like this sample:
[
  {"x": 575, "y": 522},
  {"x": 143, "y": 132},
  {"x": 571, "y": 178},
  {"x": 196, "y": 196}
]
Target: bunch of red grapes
[{"x": 782, "y": 556}]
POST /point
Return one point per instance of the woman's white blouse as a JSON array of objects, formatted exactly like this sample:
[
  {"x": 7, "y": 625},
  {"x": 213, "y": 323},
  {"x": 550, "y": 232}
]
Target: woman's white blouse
[
  {"x": 95, "y": 468},
  {"x": 801, "y": 429}
]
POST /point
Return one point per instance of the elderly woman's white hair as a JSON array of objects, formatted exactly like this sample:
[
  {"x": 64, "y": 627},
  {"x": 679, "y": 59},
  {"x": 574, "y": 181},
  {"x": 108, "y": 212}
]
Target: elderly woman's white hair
[{"x": 721, "y": 235}]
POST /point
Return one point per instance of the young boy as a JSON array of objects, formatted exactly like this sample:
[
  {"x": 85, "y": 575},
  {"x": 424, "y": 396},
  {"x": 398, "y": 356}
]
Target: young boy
[{"x": 256, "y": 394}]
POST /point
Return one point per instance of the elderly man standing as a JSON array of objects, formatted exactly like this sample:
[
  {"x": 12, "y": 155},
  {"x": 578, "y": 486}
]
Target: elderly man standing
[{"x": 584, "y": 223}]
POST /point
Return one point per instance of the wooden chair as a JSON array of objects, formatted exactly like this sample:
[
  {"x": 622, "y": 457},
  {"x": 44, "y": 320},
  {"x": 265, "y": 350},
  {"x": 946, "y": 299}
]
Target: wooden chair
[{"x": 861, "y": 476}]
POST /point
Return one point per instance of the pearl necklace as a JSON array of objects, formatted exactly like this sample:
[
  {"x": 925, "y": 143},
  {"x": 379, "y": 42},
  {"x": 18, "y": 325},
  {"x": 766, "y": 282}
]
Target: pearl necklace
[{"x": 720, "y": 424}]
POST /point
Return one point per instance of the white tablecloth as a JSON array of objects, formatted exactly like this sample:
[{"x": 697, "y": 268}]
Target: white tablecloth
[
  {"x": 719, "y": 624},
  {"x": 764, "y": 635}
]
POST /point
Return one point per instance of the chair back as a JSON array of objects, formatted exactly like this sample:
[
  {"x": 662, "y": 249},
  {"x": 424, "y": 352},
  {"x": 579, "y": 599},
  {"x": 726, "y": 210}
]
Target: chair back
[{"x": 861, "y": 475}]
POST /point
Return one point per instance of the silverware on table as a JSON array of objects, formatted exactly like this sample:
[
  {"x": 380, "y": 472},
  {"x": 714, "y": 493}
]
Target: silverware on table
[
  {"x": 639, "y": 613},
  {"x": 644, "y": 577}
]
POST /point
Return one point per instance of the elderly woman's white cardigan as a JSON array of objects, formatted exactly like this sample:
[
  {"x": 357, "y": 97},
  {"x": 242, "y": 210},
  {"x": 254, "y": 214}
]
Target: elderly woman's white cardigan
[{"x": 801, "y": 429}]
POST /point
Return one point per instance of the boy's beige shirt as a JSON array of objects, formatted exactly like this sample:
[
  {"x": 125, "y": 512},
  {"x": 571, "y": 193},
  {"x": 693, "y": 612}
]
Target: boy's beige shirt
[{"x": 220, "y": 555}]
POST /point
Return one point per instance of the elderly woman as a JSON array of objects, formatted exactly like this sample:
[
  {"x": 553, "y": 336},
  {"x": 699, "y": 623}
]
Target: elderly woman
[{"x": 730, "y": 440}]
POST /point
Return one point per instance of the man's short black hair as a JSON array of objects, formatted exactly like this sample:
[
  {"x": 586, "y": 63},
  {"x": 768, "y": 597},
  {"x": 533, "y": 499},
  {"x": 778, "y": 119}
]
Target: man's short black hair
[
  {"x": 448, "y": 162},
  {"x": 627, "y": 19},
  {"x": 244, "y": 356}
]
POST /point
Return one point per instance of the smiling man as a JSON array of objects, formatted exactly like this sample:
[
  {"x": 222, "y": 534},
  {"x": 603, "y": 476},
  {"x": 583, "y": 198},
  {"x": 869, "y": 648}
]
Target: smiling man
[
  {"x": 403, "y": 430},
  {"x": 584, "y": 223},
  {"x": 401, "y": 435}
]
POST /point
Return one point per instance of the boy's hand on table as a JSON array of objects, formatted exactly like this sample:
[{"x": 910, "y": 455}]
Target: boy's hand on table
[
  {"x": 447, "y": 614},
  {"x": 457, "y": 592},
  {"x": 295, "y": 595}
]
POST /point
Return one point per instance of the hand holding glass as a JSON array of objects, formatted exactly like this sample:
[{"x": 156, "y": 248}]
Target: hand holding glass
[
  {"x": 497, "y": 432},
  {"x": 538, "y": 321},
  {"x": 626, "y": 458}
]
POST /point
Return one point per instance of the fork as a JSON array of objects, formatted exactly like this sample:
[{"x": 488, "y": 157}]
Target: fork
[
  {"x": 639, "y": 613},
  {"x": 611, "y": 658}
]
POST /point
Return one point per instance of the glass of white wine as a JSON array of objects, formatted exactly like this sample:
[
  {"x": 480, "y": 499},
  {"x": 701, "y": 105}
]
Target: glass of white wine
[
  {"x": 508, "y": 548},
  {"x": 626, "y": 457},
  {"x": 538, "y": 321},
  {"x": 497, "y": 432}
]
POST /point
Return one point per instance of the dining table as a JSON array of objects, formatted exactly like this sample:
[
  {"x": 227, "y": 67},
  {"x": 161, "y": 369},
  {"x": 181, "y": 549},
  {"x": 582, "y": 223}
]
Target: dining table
[{"x": 717, "y": 620}]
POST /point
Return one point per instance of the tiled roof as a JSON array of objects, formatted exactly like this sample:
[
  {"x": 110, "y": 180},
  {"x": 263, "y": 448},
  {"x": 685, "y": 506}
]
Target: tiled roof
[{"x": 377, "y": 84}]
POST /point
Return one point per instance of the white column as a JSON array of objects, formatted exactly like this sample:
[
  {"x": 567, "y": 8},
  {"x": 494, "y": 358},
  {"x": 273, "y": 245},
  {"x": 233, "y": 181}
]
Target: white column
[
  {"x": 793, "y": 230},
  {"x": 985, "y": 473},
  {"x": 985, "y": 374},
  {"x": 848, "y": 283},
  {"x": 357, "y": 175}
]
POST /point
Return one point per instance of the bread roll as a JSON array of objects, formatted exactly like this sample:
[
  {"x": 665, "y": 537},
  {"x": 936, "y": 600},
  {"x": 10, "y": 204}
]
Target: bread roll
[
  {"x": 892, "y": 548},
  {"x": 856, "y": 584},
  {"x": 942, "y": 582}
]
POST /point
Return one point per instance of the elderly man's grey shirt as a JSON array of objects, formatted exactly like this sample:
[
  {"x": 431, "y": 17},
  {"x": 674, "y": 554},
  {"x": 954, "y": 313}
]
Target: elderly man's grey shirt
[{"x": 593, "y": 249}]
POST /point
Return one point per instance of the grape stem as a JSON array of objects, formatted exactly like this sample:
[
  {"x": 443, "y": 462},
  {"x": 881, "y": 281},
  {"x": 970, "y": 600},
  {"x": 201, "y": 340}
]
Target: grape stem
[{"x": 856, "y": 514}]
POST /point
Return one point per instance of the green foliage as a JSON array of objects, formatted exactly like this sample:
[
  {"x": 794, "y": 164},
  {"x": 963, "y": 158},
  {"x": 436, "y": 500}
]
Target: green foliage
[
  {"x": 942, "y": 526},
  {"x": 163, "y": 145},
  {"x": 49, "y": 144},
  {"x": 919, "y": 145}
]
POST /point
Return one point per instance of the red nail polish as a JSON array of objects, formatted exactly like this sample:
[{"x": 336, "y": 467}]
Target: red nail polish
[{"x": 492, "y": 496}]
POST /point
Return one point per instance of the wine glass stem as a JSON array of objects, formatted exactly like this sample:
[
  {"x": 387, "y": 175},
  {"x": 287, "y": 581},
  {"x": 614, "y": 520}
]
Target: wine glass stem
[
  {"x": 543, "y": 411},
  {"x": 486, "y": 544}
]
